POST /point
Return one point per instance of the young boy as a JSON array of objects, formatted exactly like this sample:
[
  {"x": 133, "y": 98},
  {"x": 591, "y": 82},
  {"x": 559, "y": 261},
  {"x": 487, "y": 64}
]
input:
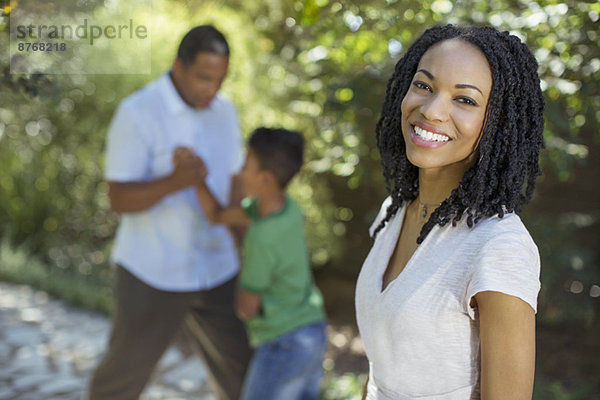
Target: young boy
[{"x": 277, "y": 298}]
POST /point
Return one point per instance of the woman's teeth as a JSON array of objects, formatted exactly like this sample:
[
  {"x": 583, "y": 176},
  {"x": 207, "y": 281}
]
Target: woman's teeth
[{"x": 430, "y": 136}]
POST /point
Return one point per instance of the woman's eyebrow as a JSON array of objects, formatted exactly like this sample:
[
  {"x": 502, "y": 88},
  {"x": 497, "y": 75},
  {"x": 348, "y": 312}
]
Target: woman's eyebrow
[
  {"x": 458, "y": 86},
  {"x": 429, "y": 74},
  {"x": 467, "y": 86}
]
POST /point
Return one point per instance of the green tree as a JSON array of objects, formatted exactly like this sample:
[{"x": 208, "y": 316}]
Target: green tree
[
  {"x": 321, "y": 67},
  {"x": 330, "y": 61}
]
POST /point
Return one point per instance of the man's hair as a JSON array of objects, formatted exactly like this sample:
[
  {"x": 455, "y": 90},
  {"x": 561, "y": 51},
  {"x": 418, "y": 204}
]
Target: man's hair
[
  {"x": 279, "y": 151},
  {"x": 203, "y": 38},
  {"x": 504, "y": 177}
]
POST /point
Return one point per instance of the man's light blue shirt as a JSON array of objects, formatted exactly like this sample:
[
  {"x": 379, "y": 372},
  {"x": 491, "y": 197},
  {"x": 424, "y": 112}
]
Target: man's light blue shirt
[{"x": 172, "y": 246}]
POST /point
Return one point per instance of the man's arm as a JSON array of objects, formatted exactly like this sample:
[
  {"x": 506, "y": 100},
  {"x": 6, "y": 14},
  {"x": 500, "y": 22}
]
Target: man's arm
[
  {"x": 507, "y": 329},
  {"x": 139, "y": 196}
]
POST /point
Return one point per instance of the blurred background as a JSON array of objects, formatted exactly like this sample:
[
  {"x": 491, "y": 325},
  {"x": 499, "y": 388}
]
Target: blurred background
[{"x": 321, "y": 67}]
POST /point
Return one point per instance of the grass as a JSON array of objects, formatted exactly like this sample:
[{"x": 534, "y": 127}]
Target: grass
[
  {"x": 18, "y": 265},
  {"x": 343, "y": 387},
  {"x": 557, "y": 391}
]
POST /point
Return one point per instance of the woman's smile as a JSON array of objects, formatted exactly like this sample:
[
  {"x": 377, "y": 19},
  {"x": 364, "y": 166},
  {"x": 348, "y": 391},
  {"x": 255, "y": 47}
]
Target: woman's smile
[{"x": 425, "y": 136}]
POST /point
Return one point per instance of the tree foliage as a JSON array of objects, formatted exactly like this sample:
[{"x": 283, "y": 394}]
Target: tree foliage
[{"x": 321, "y": 67}]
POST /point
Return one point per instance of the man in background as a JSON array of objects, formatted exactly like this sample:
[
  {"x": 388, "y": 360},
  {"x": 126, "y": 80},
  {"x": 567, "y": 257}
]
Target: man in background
[{"x": 172, "y": 265}]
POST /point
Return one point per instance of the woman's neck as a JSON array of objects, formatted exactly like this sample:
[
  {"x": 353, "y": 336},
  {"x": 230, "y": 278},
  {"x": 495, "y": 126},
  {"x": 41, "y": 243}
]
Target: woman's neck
[{"x": 436, "y": 184}]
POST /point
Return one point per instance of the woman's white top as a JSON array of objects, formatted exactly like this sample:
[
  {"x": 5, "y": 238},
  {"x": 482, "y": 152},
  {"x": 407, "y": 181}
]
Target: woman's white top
[{"x": 421, "y": 335}]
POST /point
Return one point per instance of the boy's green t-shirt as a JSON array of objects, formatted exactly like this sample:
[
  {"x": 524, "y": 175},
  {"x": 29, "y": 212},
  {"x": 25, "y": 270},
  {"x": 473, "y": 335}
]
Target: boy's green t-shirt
[{"x": 275, "y": 266}]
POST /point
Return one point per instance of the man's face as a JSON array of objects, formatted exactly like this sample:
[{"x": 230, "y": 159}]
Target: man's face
[{"x": 199, "y": 82}]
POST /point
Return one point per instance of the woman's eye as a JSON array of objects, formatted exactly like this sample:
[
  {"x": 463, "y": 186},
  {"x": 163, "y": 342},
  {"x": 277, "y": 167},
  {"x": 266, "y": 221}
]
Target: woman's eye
[
  {"x": 467, "y": 101},
  {"x": 422, "y": 85}
]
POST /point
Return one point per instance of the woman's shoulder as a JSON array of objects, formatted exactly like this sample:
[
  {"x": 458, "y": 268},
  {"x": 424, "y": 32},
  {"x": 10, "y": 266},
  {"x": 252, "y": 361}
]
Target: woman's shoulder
[
  {"x": 505, "y": 260},
  {"x": 509, "y": 223},
  {"x": 505, "y": 235}
]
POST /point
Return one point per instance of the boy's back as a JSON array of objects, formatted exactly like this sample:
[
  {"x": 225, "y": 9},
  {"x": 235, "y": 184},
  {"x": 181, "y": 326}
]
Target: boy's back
[{"x": 276, "y": 266}]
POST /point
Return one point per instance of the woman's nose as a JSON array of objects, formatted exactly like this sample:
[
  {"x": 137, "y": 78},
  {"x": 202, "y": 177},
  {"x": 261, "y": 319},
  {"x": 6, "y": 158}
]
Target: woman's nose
[{"x": 435, "y": 108}]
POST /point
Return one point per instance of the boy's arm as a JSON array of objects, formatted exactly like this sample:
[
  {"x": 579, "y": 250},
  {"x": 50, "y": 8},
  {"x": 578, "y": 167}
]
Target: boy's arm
[
  {"x": 237, "y": 194},
  {"x": 247, "y": 304},
  {"x": 212, "y": 209},
  {"x": 215, "y": 213}
]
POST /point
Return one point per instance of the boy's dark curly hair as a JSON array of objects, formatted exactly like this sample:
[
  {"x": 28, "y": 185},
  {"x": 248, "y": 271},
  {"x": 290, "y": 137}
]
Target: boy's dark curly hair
[
  {"x": 504, "y": 177},
  {"x": 279, "y": 151}
]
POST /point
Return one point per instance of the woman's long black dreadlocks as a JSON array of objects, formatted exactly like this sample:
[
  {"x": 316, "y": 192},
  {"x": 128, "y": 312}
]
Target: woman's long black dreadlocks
[{"x": 504, "y": 177}]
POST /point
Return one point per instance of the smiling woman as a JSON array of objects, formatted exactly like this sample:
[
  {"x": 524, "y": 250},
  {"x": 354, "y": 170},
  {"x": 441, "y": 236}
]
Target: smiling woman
[{"x": 447, "y": 311}]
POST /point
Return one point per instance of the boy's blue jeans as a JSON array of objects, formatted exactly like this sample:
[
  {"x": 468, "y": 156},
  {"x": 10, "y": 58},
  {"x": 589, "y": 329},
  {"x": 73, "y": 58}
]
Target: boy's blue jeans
[{"x": 288, "y": 367}]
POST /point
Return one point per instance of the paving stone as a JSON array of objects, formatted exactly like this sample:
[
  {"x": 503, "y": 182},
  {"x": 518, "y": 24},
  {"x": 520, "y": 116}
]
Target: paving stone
[
  {"x": 160, "y": 393},
  {"x": 6, "y": 393},
  {"x": 5, "y": 350},
  {"x": 28, "y": 396},
  {"x": 32, "y": 315},
  {"x": 170, "y": 359},
  {"x": 189, "y": 376},
  {"x": 27, "y": 361},
  {"x": 5, "y": 374},
  {"x": 24, "y": 382},
  {"x": 22, "y": 336},
  {"x": 61, "y": 386},
  {"x": 70, "y": 396},
  {"x": 48, "y": 351}
]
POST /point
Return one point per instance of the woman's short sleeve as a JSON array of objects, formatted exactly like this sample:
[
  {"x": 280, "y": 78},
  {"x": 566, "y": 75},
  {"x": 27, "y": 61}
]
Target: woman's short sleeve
[{"x": 508, "y": 263}]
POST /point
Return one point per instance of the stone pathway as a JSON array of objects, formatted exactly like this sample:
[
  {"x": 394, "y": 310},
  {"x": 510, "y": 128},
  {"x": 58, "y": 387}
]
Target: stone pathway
[{"x": 48, "y": 350}]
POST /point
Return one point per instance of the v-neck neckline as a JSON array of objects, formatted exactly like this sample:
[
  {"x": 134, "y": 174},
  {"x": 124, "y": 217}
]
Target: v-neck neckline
[{"x": 381, "y": 272}]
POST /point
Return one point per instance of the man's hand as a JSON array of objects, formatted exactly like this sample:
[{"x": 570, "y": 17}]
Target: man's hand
[
  {"x": 182, "y": 154},
  {"x": 189, "y": 167},
  {"x": 139, "y": 196}
]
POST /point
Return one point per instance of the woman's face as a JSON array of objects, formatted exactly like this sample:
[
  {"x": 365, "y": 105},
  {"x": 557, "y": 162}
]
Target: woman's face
[{"x": 444, "y": 109}]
